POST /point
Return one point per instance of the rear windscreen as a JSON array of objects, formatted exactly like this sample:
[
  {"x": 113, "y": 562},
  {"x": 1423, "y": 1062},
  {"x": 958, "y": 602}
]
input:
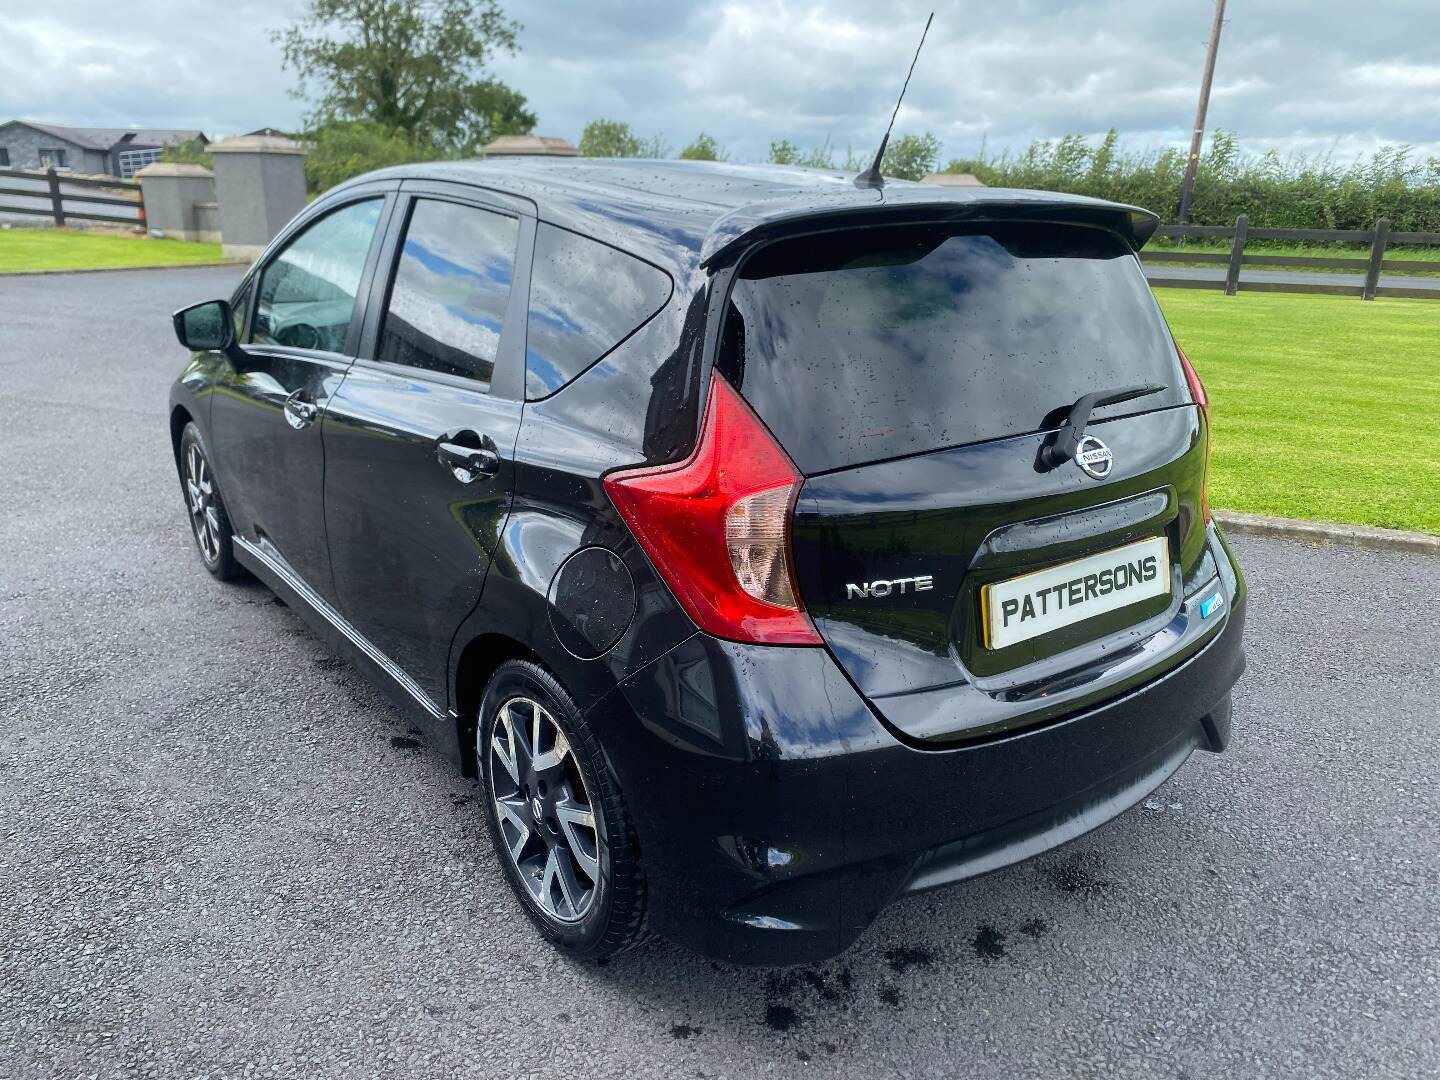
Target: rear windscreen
[{"x": 870, "y": 344}]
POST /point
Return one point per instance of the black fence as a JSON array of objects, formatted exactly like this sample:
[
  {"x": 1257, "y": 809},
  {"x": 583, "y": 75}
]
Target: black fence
[
  {"x": 62, "y": 198},
  {"x": 1371, "y": 266}
]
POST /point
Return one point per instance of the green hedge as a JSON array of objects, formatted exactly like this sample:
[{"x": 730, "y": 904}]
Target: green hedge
[{"x": 1273, "y": 192}]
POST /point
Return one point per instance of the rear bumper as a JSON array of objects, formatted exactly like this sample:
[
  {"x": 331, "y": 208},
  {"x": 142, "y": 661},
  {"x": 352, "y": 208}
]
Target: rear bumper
[{"x": 777, "y": 816}]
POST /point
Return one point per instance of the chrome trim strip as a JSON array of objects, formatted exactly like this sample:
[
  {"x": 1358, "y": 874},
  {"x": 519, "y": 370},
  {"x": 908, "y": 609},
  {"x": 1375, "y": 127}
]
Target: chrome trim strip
[{"x": 321, "y": 607}]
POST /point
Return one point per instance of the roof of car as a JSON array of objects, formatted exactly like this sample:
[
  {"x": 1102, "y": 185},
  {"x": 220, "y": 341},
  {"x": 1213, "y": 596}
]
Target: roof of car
[{"x": 706, "y": 209}]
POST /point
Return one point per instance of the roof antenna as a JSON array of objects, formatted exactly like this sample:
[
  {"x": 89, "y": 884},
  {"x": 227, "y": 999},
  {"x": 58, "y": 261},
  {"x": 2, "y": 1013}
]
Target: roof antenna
[{"x": 871, "y": 177}]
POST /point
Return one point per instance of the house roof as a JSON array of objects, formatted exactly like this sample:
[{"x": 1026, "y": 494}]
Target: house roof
[
  {"x": 963, "y": 179},
  {"x": 93, "y": 138},
  {"x": 529, "y": 145}
]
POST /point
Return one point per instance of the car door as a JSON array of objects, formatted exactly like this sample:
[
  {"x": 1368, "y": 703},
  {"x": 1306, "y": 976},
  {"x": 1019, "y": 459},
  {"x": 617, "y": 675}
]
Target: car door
[
  {"x": 420, "y": 436},
  {"x": 303, "y": 329}
]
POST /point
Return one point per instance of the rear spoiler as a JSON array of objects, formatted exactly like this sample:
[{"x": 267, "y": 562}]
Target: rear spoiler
[{"x": 898, "y": 203}]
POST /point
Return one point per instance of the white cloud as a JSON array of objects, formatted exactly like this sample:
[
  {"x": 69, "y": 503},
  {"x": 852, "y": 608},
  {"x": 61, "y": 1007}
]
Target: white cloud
[
  {"x": 1399, "y": 75},
  {"x": 1308, "y": 76}
]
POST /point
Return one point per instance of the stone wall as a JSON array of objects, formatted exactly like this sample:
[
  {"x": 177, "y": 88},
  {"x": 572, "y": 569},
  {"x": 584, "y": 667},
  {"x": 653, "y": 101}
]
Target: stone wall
[
  {"x": 207, "y": 223},
  {"x": 260, "y": 182},
  {"x": 174, "y": 193}
]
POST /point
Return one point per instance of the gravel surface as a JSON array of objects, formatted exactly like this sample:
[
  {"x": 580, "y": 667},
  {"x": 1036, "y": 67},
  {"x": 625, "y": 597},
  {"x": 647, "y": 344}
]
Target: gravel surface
[{"x": 221, "y": 854}]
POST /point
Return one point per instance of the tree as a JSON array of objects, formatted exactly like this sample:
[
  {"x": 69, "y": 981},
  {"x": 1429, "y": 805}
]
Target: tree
[
  {"x": 1101, "y": 161},
  {"x": 654, "y": 147},
  {"x": 817, "y": 157},
  {"x": 784, "y": 152},
  {"x": 609, "y": 138},
  {"x": 346, "y": 148},
  {"x": 189, "y": 152},
  {"x": 911, "y": 157},
  {"x": 492, "y": 109},
  {"x": 704, "y": 148},
  {"x": 613, "y": 138},
  {"x": 411, "y": 66}
]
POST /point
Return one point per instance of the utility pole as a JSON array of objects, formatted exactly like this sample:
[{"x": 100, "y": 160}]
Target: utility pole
[{"x": 1187, "y": 189}]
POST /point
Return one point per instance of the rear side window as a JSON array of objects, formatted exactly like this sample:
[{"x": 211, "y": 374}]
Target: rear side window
[
  {"x": 864, "y": 345},
  {"x": 447, "y": 303},
  {"x": 585, "y": 298}
]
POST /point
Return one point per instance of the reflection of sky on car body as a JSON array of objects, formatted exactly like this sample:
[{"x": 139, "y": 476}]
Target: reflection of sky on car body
[
  {"x": 585, "y": 297},
  {"x": 993, "y": 333},
  {"x": 548, "y": 374}
]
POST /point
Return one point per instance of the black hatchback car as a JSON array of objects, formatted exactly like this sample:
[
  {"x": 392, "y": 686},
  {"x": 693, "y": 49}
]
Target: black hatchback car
[{"x": 767, "y": 547}]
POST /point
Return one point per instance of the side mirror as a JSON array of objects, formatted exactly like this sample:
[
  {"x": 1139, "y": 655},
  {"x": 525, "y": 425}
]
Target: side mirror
[{"x": 205, "y": 327}]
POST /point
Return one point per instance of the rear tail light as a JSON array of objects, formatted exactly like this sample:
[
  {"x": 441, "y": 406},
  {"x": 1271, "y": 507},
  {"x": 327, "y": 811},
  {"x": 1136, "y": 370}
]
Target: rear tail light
[
  {"x": 717, "y": 526},
  {"x": 755, "y": 535},
  {"x": 1197, "y": 391}
]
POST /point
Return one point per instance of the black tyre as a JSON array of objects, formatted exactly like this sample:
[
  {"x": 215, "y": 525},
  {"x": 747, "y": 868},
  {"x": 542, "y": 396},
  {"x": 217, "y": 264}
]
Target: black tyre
[
  {"x": 209, "y": 524},
  {"x": 556, "y": 815}
]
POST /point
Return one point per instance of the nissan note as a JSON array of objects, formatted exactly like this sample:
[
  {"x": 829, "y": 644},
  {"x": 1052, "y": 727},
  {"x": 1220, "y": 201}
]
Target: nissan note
[{"x": 765, "y": 547}]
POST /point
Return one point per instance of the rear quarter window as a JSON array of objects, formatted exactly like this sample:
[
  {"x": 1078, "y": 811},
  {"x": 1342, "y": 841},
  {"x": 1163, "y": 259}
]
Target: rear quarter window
[
  {"x": 870, "y": 344},
  {"x": 585, "y": 298}
]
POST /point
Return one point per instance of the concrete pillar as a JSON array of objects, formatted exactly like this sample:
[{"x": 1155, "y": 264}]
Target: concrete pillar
[
  {"x": 260, "y": 185},
  {"x": 172, "y": 192}
]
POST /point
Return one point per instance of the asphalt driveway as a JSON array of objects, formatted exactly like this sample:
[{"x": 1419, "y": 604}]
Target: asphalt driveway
[{"x": 221, "y": 854}]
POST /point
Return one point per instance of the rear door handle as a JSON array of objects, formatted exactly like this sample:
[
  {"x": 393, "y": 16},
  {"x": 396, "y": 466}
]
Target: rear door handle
[
  {"x": 467, "y": 463},
  {"x": 300, "y": 413}
]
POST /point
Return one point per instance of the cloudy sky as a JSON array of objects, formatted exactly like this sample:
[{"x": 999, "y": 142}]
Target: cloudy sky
[{"x": 1309, "y": 76}]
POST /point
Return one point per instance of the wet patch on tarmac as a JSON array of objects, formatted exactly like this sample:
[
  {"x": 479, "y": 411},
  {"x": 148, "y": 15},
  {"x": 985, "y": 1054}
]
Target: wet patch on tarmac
[
  {"x": 904, "y": 958},
  {"x": 988, "y": 943},
  {"x": 1071, "y": 876}
]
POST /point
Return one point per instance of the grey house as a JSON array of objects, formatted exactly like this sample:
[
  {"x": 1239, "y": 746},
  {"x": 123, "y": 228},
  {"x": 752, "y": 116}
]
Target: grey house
[{"x": 25, "y": 144}]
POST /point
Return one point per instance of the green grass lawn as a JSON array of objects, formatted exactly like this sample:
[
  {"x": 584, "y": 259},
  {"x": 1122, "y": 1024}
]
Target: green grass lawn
[
  {"x": 1325, "y": 407},
  {"x": 77, "y": 249}
]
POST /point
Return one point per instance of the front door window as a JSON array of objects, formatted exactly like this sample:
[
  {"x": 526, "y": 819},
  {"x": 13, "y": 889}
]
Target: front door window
[{"x": 307, "y": 293}]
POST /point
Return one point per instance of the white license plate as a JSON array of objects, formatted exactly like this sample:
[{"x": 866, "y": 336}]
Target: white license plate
[{"x": 1033, "y": 604}]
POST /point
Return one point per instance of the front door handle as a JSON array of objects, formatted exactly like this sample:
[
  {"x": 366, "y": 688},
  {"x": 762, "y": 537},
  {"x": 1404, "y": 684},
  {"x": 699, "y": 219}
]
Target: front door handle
[
  {"x": 467, "y": 463},
  {"x": 300, "y": 413}
]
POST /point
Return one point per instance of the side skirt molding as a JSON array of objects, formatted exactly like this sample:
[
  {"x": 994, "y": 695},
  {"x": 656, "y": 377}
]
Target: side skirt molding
[{"x": 269, "y": 564}]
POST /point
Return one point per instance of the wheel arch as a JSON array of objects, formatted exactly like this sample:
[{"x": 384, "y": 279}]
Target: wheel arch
[
  {"x": 478, "y": 660},
  {"x": 179, "y": 417}
]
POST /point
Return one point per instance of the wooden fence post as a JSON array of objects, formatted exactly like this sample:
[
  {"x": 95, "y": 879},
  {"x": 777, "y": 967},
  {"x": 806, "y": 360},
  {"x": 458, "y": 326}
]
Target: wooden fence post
[
  {"x": 1237, "y": 255},
  {"x": 57, "y": 207},
  {"x": 1377, "y": 258}
]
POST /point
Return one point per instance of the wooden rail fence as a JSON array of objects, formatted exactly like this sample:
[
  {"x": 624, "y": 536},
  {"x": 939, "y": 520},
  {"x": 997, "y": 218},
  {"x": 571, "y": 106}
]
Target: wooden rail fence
[
  {"x": 121, "y": 202},
  {"x": 1379, "y": 239},
  {"x": 60, "y": 197}
]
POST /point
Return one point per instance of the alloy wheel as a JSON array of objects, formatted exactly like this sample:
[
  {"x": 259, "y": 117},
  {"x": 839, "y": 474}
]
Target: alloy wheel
[
  {"x": 200, "y": 497},
  {"x": 546, "y": 817}
]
